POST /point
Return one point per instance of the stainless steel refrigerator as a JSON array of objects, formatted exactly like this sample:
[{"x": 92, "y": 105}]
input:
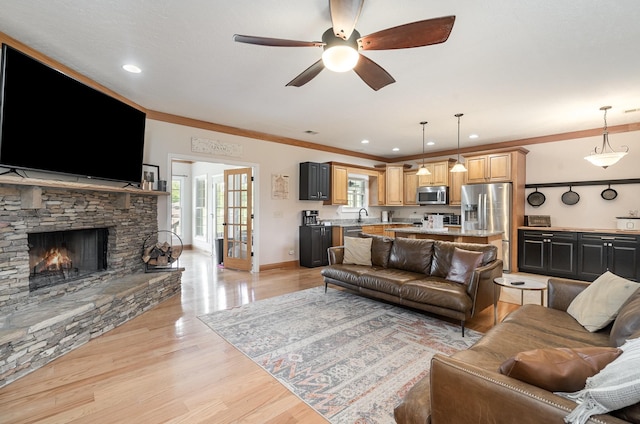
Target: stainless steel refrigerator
[{"x": 488, "y": 207}]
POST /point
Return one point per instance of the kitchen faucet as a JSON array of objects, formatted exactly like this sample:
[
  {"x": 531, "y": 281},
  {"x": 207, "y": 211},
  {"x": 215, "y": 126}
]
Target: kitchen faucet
[{"x": 360, "y": 211}]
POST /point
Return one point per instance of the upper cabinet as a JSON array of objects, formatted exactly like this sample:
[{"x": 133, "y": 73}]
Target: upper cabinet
[
  {"x": 439, "y": 174},
  {"x": 339, "y": 183},
  {"x": 456, "y": 181},
  {"x": 394, "y": 183},
  {"x": 314, "y": 181},
  {"x": 490, "y": 168}
]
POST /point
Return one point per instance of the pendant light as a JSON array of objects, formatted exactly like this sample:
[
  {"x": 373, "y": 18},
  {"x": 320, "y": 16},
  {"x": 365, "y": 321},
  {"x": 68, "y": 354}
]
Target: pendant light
[
  {"x": 458, "y": 167},
  {"x": 605, "y": 158},
  {"x": 423, "y": 170}
]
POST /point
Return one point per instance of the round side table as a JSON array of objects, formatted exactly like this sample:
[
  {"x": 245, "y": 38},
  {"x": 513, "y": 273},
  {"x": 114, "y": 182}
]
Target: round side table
[{"x": 527, "y": 284}]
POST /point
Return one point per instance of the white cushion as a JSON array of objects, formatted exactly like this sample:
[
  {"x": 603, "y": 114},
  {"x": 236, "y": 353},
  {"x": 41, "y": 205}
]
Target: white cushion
[
  {"x": 357, "y": 251},
  {"x": 597, "y": 305},
  {"x": 615, "y": 387}
]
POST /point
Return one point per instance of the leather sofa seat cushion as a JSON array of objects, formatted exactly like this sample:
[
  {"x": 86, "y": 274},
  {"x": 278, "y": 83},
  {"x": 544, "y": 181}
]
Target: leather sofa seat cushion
[
  {"x": 559, "y": 369},
  {"x": 387, "y": 280},
  {"x": 443, "y": 254},
  {"x": 554, "y": 322},
  {"x": 347, "y": 273},
  {"x": 437, "y": 291},
  {"x": 380, "y": 249},
  {"x": 627, "y": 323},
  {"x": 411, "y": 255}
]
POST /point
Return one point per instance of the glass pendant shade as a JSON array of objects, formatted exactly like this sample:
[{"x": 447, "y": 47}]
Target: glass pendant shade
[
  {"x": 606, "y": 158},
  {"x": 458, "y": 167},
  {"x": 423, "y": 171}
]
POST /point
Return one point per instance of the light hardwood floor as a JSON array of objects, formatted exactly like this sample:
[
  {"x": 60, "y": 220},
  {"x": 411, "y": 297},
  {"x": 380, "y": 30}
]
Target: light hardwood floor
[{"x": 166, "y": 366}]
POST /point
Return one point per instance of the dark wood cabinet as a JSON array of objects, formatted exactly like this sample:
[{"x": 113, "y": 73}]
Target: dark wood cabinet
[
  {"x": 618, "y": 253},
  {"x": 552, "y": 253},
  {"x": 315, "y": 181},
  {"x": 314, "y": 242}
]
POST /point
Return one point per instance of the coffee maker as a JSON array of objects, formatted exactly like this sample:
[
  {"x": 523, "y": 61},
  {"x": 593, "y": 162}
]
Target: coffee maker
[{"x": 309, "y": 217}]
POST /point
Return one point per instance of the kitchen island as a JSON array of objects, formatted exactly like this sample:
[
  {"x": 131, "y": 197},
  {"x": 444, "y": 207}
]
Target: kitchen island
[{"x": 455, "y": 234}]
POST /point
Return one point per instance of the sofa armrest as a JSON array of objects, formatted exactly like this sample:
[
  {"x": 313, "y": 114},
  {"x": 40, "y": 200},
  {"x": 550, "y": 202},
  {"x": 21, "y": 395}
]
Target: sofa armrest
[
  {"x": 562, "y": 291},
  {"x": 336, "y": 254},
  {"x": 463, "y": 393},
  {"x": 481, "y": 288}
]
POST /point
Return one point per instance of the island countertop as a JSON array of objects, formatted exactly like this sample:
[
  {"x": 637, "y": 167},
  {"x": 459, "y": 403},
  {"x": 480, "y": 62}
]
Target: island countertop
[{"x": 454, "y": 232}]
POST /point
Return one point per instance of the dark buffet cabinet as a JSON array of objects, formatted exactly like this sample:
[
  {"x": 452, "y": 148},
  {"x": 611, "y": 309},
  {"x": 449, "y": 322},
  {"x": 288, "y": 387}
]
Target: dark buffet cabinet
[
  {"x": 315, "y": 181},
  {"x": 314, "y": 242},
  {"x": 617, "y": 253},
  {"x": 551, "y": 253},
  {"x": 578, "y": 255}
]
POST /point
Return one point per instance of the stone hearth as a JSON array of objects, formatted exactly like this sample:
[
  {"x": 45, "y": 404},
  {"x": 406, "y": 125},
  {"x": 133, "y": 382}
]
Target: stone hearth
[{"x": 39, "y": 325}]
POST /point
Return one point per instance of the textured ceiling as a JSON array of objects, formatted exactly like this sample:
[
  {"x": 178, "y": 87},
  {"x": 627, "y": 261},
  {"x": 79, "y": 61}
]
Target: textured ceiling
[{"x": 516, "y": 69}]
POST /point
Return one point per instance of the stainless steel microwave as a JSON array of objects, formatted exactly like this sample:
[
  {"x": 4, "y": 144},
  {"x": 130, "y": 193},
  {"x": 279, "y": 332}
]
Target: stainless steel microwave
[{"x": 433, "y": 195}]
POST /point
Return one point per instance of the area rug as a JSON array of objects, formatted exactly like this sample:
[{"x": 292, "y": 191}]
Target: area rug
[{"x": 350, "y": 358}]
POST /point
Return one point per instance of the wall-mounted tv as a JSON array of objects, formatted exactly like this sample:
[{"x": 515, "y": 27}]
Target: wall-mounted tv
[{"x": 54, "y": 123}]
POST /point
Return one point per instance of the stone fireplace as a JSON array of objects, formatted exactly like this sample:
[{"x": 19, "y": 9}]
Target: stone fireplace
[{"x": 71, "y": 267}]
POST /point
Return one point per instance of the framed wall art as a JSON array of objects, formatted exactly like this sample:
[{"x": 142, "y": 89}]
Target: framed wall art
[{"x": 150, "y": 177}]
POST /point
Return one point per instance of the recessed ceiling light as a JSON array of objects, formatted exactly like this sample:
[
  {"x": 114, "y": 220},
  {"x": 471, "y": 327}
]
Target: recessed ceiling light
[
  {"x": 365, "y": 142},
  {"x": 430, "y": 143},
  {"x": 131, "y": 68},
  {"x": 396, "y": 149},
  {"x": 474, "y": 136}
]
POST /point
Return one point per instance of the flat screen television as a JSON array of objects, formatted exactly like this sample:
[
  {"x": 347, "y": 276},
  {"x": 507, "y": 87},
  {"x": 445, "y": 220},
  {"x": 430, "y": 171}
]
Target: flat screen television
[{"x": 54, "y": 123}]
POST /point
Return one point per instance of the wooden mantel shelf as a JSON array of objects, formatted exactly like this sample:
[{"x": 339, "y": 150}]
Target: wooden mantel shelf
[{"x": 72, "y": 185}]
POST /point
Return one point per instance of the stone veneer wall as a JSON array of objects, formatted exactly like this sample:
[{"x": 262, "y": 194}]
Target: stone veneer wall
[{"x": 129, "y": 217}]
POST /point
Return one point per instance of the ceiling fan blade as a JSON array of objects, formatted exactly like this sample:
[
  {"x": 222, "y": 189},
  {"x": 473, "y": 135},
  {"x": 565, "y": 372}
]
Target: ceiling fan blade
[
  {"x": 372, "y": 73},
  {"x": 307, "y": 75},
  {"x": 275, "y": 42},
  {"x": 344, "y": 15},
  {"x": 415, "y": 34}
]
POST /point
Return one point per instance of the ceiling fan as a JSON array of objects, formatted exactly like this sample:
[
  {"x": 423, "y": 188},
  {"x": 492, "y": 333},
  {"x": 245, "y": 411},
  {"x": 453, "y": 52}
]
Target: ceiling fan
[{"x": 342, "y": 42}]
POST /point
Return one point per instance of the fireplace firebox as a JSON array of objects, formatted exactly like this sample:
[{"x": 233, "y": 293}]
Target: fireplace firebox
[{"x": 59, "y": 257}]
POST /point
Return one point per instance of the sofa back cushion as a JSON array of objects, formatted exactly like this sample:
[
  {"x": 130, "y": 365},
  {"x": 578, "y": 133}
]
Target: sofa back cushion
[
  {"x": 627, "y": 323},
  {"x": 411, "y": 255},
  {"x": 443, "y": 255},
  {"x": 380, "y": 249},
  {"x": 463, "y": 263}
]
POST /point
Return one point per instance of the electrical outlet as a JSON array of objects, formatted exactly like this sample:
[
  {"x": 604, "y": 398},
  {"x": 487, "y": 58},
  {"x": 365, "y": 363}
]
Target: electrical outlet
[{"x": 291, "y": 251}]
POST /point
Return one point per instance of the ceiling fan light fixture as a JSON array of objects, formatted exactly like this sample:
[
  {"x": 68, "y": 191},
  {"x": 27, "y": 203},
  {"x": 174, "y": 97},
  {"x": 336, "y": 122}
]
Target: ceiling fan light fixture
[
  {"x": 606, "y": 158},
  {"x": 340, "y": 55},
  {"x": 458, "y": 167},
  {"x": 340, "y": 58}
]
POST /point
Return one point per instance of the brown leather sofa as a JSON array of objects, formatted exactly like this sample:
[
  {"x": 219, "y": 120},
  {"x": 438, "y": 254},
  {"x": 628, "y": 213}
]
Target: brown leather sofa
[
  {"x": 414, "y": 273},
  {"x": 468, "y": 388}
]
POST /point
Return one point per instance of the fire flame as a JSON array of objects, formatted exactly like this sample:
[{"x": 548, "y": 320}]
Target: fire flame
[{"x": 55, "y": 259}]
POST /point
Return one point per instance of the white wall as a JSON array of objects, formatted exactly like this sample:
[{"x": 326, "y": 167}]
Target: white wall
[{"x": 277, "y": 221}]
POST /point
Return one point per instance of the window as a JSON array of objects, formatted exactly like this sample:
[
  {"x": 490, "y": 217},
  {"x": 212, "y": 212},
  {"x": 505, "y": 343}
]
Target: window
[
  {"x": 357, "y": 193},
  {"x": 200, "y": 218}
]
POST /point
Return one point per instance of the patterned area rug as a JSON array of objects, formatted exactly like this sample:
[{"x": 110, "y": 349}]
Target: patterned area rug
[{"x": 350, "y": 358}]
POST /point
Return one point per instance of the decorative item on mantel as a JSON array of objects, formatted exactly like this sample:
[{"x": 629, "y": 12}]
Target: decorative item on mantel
[
  {"x": 423, "y": 170},
  {"x": 606, "y": 158},
  {"x": 161, "y": 255}
]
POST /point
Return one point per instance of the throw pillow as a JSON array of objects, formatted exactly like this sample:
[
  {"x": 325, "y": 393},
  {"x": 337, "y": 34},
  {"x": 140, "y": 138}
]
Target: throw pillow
[
  {"x": 597, "y": 305},
  {"x": 357, "y": 251},
  {"x": 463, "y": 263},
  {"x": 615, "y": 387},
  {"x": 627, "y": 322},
  {"x": 560, "y": 369}
]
